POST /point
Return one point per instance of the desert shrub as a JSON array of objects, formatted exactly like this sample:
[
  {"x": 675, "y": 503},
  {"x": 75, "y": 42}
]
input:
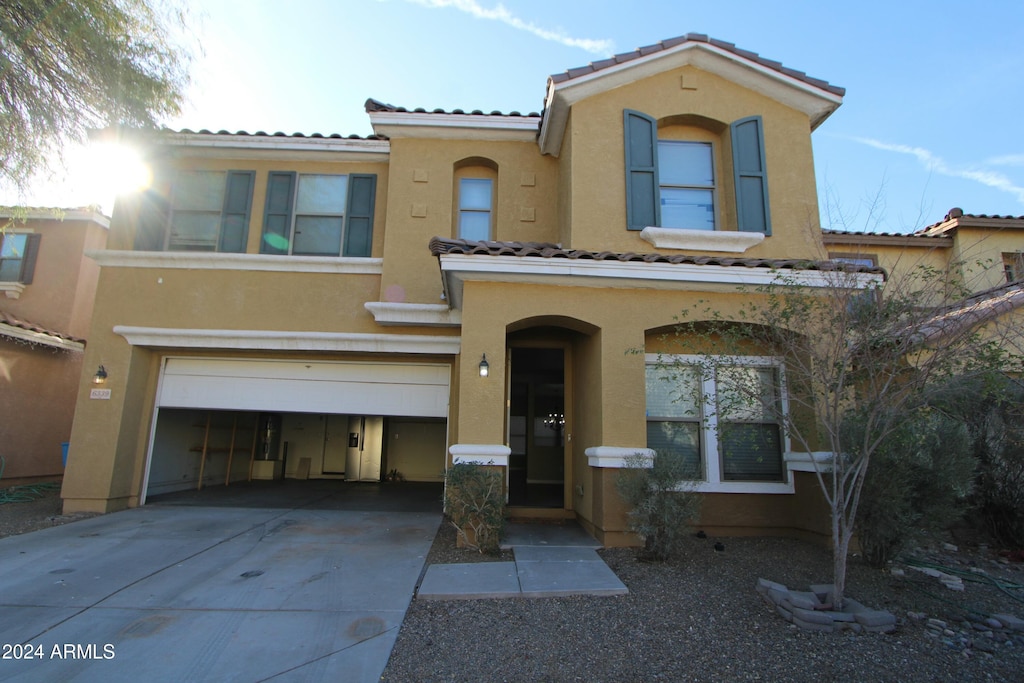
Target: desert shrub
[
  {"x": 993, "y": 411},
  {"x": 918, "y": 482},
  {"x": 662, "y": 501},
  {"x": 474, "y": 498}
]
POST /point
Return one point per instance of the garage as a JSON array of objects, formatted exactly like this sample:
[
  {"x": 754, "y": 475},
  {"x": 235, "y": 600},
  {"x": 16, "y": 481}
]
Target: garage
[{"x": 225, "y": 420}]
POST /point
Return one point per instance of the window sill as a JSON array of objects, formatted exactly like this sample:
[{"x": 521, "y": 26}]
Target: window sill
[
  {"x": 225, "y": 261},
  {"x": 13, "y": 290},
  {"x": 701, "y": 240}
]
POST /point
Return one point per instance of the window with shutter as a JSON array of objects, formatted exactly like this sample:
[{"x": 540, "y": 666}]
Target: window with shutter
[
  {"x": 209, "y": 211},
  {"x": 18, "y": 256},
  {"x": 315, "y": 214}
]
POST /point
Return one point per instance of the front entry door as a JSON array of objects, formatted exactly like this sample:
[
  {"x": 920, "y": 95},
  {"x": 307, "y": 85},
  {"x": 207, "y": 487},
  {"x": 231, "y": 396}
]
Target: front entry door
[{"x": 537, "y": 428}]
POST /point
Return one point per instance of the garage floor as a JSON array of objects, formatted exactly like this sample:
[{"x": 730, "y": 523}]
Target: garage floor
[{"x": 313, "y": 494}]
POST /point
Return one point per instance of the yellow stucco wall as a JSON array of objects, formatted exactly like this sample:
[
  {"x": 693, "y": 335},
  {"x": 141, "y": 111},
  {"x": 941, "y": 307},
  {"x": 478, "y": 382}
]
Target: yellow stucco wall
[{"x": 598, "y": 190}]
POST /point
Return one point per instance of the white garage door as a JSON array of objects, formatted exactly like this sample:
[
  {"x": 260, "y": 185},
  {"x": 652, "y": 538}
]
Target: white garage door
[{"x": 406, "y": 389}]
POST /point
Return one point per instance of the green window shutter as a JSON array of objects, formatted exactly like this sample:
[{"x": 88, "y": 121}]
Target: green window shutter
[
  {"x": 28, "y": 259},
  {"x": 234, "y": 223},
  {"x": 151, "y": 226},
  {"x": 277, "y": 217},
  {"x": 362, "y": 191},
  {"x": 751, "y": 178},
  {"x": 640, "y": 133}
]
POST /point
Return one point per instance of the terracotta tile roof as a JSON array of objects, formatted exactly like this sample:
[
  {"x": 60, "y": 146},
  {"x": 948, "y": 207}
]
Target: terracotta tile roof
[
  {"x": 967, "y": 314},
  {"x": 373, "y": 105},
  {"x": 279, "y": 134},
  {"x": 694, "y": 38},
  {"x": 443, "y": 246},
  {"x": 955, "y": 215},
  {"x": 11, "y": 321}
]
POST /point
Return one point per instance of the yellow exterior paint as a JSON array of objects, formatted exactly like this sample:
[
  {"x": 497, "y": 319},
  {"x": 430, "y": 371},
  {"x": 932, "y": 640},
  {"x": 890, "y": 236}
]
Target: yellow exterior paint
[{"x": 570, "y": 198}]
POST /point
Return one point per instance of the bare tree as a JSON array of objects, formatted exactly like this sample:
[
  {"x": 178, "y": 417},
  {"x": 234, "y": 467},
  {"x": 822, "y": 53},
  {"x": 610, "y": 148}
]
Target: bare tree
[{"x": 851, "y": 348}]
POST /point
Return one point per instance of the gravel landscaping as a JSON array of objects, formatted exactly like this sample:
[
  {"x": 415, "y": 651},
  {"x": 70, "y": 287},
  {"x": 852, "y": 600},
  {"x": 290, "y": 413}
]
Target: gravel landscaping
[{"x": 700, "y": 618}]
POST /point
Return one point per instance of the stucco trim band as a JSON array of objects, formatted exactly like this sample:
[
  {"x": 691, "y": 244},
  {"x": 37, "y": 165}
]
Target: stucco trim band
[
  {"x": 480, "y": 454},
  {"x": 220, "y": 261},
  {"x": 730, "y": 241},
  {"x": 274, "y": 340},
  {"x": 615, "y": 456},
  {"x": 429, "y": 315},
  {"x": 808, "y": 462}
]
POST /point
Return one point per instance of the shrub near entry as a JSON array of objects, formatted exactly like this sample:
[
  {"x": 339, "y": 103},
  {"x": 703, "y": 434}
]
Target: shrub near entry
[
  {"x": 474, "y": 499},
  {"x": 663, "y": 508}
]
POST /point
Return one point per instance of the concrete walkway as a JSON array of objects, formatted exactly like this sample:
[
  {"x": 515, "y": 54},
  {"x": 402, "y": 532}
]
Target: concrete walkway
[
  {"x": 183, "y": 593},
  {"x": 549, "y": 561}
]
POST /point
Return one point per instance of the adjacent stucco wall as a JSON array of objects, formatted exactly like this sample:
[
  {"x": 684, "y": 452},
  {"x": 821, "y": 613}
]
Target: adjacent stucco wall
[{"x": 598, "y": 190}]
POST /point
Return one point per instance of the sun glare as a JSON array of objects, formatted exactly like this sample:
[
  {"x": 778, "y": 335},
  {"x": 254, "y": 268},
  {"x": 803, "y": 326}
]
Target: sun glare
[{"x": 118, "y": 169}]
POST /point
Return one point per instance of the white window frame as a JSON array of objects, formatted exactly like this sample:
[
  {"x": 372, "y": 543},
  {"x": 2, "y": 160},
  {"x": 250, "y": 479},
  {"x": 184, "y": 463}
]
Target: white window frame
[
  {"x": 173, "y": 209},
  {"x": 713, "y": 187},
  {"x": 296, "y": 214},
  {"x": 489, "y": 210},
  {"x": 712, "y": 466}
]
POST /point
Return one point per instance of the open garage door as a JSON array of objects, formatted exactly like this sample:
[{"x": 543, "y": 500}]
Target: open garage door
[
  {"x": 400, "y": 389},
  {"x": 223, "y": 421}
]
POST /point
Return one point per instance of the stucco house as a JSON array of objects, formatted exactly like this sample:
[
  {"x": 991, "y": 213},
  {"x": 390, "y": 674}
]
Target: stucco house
[
  {"x": 47, "y": 287},
  {"x": 462, "y": 286}
]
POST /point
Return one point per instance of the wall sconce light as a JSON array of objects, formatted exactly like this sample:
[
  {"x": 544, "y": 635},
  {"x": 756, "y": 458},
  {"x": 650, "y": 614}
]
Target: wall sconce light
[
  {"x": 485, "y": 368},
  {"x": 101, "y": 375}
]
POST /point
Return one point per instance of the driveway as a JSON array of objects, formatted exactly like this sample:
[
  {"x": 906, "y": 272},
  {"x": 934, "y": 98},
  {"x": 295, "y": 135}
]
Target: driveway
[{"x": 193, "y": 593}]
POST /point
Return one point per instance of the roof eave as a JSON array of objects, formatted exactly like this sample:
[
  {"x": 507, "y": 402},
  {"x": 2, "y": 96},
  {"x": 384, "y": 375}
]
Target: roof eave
[{"x": 816, "y": 102}]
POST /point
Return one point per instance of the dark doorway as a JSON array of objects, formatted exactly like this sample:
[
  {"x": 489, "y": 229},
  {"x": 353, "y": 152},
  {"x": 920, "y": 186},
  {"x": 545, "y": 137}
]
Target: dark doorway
[{"x": 537, "y": 428}]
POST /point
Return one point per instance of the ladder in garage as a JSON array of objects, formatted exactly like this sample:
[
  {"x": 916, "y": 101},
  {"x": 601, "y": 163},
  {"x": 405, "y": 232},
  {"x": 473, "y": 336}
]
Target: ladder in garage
[{"x": 207, "y": 449}]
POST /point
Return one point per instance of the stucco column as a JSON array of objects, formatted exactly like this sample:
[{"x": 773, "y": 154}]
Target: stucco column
[
  {"x": 110, "y": 431},
  {"x": 481, "y": 409}
]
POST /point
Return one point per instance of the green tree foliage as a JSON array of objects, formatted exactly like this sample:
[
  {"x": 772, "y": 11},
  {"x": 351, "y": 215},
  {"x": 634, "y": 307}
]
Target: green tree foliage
[
  {"x": 662, "y": 507},
  {"x": 67, "y": 66},
  {"x": 919, "y": 482},
  {"x": 877, "y": 352}
]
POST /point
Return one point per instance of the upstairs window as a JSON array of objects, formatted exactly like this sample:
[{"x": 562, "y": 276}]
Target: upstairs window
[
  {"x": 673, "y": 184},
  {"x": 209, "y": 211},
  {"x": 319, "y": 214},
  {"x": 686, "y": 184},
  {"x": 18, "y": 256},
  {"x": 475, "y": 202},
  {"x": 1013, "y": 266}
]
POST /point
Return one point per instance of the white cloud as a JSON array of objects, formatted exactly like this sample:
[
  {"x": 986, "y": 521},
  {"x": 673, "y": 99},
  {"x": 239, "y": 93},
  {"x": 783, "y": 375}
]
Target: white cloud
[
  {"x": 499, "y": 13},
  {"x": 936, "y": 164}
]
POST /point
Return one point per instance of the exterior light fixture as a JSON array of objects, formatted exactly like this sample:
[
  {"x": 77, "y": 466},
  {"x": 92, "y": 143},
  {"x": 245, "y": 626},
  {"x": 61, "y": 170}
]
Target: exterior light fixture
[
  {"x": 485, "y": 368},
  {"x": 101, "y": 375}
]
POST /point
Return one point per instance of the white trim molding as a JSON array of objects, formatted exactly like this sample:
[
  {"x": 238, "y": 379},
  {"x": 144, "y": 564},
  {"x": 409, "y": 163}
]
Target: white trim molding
[
  {"x": 427, "y": 315},
  {"x": 615, "y": 456},
  {"x": 462, "y": 126},
  {"x": 12, "y": 290},
  {"x": 819, "y": 461},
  {"x": 220, "y": 261},
  {"x": 480, "y": 454},
  {"x": 458, "y": 268},
  {"x": 275, "y": 340},
  {"x": 731, "y": 241}
]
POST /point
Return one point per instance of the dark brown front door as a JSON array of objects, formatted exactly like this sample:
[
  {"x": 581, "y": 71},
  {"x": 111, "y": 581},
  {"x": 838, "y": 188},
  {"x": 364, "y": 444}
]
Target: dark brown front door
[{"x": 537, "y": 428}]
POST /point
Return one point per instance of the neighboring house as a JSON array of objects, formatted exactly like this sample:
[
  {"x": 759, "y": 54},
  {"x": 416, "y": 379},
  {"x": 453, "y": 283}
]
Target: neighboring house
[
  {"x": 46, "y": 299},
  {"x": 462, "y": 286}
]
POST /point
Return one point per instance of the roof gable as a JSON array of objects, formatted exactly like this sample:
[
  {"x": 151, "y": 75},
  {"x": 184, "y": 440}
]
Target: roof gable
[{"x": 814, "y": 97}]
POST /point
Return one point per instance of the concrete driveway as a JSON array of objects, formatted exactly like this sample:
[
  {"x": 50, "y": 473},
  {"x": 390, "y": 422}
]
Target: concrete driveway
[{"x": 185, "y": 593}]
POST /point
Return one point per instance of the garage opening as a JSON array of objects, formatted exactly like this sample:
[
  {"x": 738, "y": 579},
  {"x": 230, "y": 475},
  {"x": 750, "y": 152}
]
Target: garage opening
[{"x": 226, "y": 421}]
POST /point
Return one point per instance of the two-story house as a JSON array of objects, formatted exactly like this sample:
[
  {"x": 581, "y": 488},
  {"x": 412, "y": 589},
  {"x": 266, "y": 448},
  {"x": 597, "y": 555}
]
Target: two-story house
[
  {"x": 46, "y": 297},
  {"x": 461, "y": 286}
]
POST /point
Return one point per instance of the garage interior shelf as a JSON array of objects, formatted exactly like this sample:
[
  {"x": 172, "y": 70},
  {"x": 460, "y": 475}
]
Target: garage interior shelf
[{"x": 235, "y": 446}]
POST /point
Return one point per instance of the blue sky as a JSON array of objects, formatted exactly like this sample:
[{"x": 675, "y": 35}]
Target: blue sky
[{"x": 934, "y": 89}]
